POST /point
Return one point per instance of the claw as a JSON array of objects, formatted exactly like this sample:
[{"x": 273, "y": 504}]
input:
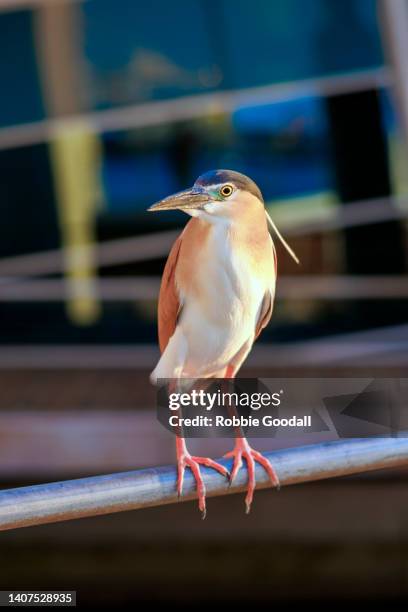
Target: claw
[
  {"x": 184, "y": 459},
  {"x": 243, "y": 450}
]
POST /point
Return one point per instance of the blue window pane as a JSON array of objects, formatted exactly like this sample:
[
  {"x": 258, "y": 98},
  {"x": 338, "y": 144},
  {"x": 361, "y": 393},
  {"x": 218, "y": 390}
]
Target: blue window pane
[
  {"x": 157, "y": 50},
  {"x": 169, "y": 49},
  {"x": 284, "y": 40},
  {"x": 130, "y": 183},
  {"x": 20, "y": 99}
]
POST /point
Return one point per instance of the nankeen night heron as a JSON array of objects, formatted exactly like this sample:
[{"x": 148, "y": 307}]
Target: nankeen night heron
[{"x": 216, "y": 296}]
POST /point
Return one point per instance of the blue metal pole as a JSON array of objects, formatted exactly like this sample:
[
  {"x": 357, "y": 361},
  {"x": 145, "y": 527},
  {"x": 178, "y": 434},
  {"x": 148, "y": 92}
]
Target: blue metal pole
[{"x": 70, "y": 499}]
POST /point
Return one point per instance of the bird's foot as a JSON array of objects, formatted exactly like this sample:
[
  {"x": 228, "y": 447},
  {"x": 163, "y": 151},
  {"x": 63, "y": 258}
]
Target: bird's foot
[
  {"x": 241, "y": 451},
  {"x": 184, "y": 460}
]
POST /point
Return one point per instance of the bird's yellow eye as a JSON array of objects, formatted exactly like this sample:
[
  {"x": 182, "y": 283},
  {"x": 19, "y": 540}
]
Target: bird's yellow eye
[{"x": 226, "y": 190}]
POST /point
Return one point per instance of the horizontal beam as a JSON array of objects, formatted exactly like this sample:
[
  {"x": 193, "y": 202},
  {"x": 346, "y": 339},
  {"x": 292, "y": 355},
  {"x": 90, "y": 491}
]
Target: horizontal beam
[
  {"x": 157, "y": 112},
  {"x": 72, "y": 499},
  {"x": 55, "y": 444},
  {"x": 18, "y": 5},
  {"x": 131, "y": 288},
  {"x": 158, "y": 244},
  {"x": 379, "y": 346},
  {"x": 107, "y": 253}
]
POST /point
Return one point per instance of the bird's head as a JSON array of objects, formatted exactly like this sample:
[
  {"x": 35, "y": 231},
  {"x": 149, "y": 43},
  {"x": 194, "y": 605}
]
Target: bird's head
[
  {"x": 222, "y": 196},
  {"x": 215, "y": 196}
]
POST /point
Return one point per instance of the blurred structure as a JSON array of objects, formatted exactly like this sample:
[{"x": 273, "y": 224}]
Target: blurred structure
[
  {"x": 106, "y": 107},
  {"x": 115, "y": 116}
]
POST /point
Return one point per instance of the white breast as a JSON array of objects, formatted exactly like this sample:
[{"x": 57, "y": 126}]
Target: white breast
[{"x": 216, "y": 326}]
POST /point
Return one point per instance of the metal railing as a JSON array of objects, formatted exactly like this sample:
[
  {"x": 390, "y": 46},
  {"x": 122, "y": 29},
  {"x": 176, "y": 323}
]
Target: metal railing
[
  {"x": 71, "y": 499},
  {"x": 157, "y": 112}
]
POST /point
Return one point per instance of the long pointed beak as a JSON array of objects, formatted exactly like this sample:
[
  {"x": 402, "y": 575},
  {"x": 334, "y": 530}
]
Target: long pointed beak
[{"x": 183, "y": 200}]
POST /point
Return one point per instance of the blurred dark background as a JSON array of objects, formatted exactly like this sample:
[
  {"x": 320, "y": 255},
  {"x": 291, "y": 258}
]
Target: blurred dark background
[{"x": 107, "y": 106}]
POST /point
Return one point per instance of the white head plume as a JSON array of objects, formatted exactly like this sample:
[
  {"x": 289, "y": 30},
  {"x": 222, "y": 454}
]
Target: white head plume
[{"x": 281, "y": 238}]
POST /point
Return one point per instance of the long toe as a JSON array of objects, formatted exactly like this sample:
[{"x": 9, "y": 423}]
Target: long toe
[
  {"x": 242, "y": 451},
  {"x": 180, "y": 477},
  {"x": 237, "y": 456},
  {"x": 194, "y": 464},
  {"x": 212, "y": 464},
  {"x": 266, "y": 464},
  {"x": 195, "y": 468},
  {"x": 251, "y": 483}
]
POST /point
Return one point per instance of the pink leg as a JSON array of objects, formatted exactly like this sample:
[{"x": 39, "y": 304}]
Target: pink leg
[
  {"x": 184, "y": 459},
  {"x": 243, "y": 450}
]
